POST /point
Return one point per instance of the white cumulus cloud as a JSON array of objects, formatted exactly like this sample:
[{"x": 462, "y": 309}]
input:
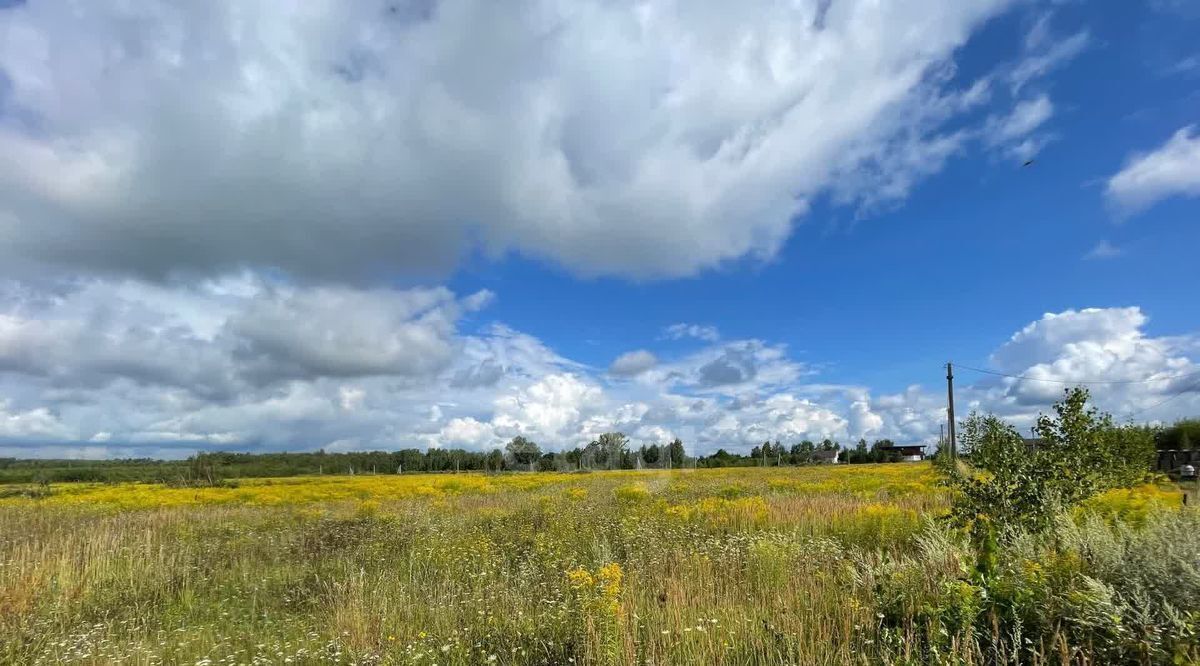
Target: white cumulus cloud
[
  {"x": 344, "y": 141},
  {"x": 110, "y": 368}
]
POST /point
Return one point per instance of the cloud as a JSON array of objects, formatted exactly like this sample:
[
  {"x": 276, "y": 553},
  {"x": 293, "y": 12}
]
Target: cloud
[
  {"x": 861, "y": 420},
  {"x": 913, "y": 415},
  {"x": 97, "y": 332},
  {"x": 697, "y": 331},
  {"x": 553, "y": 409},
  {"x": 232, "y": 189},
  {"x": 1012, "y": 132},
  {"x": 1104, "y": 250},
  {"x": 101, "y": 332},
  {"x": 733, "y": 366},
  {"x": 1054, "y": 332},
  {"x": 1045, "y": 53},
  {"x": 485, "y": 374},
  {"x": 346, "y": 143},
  {"x": 340, "y": 332},
  {"x": 1104, "y": 345},
  {"x": 119, "y": 367},
  {"x": 633, "y": 363},
  {"x": 782, "y": 416},
  {"x": 881, "y": 167},
  {"x": 1186, "y": 65},
  {"x": 466, "y": 433},
  {"x": 1018, "y": 135},
  {"x": 1172, "y": 169},
  {"x": 32, "y": 425}
]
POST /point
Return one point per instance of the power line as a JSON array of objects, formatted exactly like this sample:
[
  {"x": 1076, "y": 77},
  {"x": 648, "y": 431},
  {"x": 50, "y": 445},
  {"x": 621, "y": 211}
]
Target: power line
[
  {"x": 1074, "y": 382},
  {"x": 1180, "y": 392},
  {"x": 1186, "y": 389}
]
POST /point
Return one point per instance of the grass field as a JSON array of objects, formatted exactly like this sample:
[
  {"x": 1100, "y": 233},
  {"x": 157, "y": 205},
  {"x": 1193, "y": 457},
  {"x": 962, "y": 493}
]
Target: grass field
[{"x": 808, "y": 565}]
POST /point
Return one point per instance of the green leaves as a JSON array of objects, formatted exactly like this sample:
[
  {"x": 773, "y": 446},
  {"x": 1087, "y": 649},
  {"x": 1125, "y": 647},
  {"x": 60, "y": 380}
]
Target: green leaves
[
  {"x": 522, "y": 450},
  {"x": 1015, "y": 483}
]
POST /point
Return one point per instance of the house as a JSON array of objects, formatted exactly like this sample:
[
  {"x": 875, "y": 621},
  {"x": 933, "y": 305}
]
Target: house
[
  {"x": 904, "y": 452},
  {"x": 822, "y": 456}
]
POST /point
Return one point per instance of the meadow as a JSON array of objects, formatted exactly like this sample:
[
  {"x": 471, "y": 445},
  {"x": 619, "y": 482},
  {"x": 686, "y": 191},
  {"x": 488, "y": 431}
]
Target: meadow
[{"x": 795, "y": 565}]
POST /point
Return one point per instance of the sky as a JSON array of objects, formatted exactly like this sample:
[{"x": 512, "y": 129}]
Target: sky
[{"x": 262, "y": 226}]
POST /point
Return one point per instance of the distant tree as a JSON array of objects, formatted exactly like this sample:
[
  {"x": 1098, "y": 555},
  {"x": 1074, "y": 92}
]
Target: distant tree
[
  {"x": 522, "y": 451},
  {"x": 879, "y": 452},
  {"x": 1182, "y": 435},
  {"x": 722, "y": 458},
  {"x": 590, "y": 457},
  {"x": 676, "y": 452},
  {"x": 859, "y": 454},
  {"x": 767, "y": 454},
  {"x": 801, "y": 453},
  {"x": 650, "y": 454},
  {"x": 829, "y": 445},
  {"x": 572, "y": 458},
  {"x": 494, "y": 460},
  {"x": 411, "y": 460},
  {"x": 610, "y": 449},
  {"x": 204, "y": 469}
]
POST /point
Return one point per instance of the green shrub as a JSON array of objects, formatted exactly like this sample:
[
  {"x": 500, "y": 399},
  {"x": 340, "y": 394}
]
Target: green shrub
[{"x": 1014, "y": 484}]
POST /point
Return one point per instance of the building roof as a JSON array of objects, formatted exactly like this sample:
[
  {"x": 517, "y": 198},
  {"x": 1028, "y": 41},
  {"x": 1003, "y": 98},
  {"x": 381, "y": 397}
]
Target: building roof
[{"x": 904, "y": 447}]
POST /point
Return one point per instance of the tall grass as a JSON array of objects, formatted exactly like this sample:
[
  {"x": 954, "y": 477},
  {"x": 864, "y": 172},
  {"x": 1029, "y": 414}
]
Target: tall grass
[{"x": 746, "y": 566}]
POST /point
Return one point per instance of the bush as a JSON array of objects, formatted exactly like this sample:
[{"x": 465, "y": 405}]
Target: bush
[
  {"x": 1119, "y": 594},
  {"x": 1078, "y": 453},
  {"x": 1027, "y": 581},
  {"x": 26, "y": 492}
]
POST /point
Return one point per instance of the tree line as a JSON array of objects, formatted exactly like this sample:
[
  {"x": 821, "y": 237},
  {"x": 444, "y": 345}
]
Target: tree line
[{"x": 608, "y": 451}]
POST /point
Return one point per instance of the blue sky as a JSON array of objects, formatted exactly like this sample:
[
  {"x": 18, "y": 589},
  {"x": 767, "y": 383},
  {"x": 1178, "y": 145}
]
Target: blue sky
[
  {"x": 353, "y": 229},
  {"x": 975, "y": 252}
]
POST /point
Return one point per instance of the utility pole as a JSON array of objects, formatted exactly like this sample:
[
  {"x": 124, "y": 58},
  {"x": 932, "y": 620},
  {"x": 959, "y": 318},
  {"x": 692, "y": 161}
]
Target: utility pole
[{"x": 950, "y": 409}]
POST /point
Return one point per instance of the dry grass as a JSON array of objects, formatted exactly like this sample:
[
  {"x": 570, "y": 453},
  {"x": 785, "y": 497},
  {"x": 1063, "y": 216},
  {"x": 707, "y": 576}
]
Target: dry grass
[{"x": 743, "y": 566}]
